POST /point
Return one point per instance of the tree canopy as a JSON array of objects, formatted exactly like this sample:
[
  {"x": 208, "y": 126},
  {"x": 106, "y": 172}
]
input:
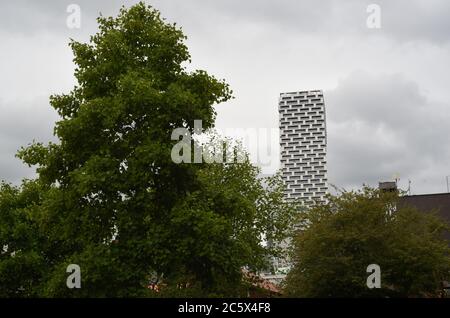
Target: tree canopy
[
  {"x": 108, "y": 196},
  {"x": 340, "y": 238}
]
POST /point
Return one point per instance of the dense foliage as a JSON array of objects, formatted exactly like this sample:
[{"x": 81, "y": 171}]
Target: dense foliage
[{"x": 340, "y": 238}]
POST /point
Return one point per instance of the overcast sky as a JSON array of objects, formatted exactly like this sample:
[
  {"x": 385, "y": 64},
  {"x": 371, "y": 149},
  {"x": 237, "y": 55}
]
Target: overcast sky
[{"x": 386, "y": 90}]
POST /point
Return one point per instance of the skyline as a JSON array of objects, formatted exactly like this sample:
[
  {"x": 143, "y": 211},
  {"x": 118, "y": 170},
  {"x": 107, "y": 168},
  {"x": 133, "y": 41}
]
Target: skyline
[{"x": 385, "y": 89}]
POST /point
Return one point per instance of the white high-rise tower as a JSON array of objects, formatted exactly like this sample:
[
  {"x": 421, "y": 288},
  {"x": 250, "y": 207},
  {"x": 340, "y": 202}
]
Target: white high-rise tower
[
  {"x": 303, "y": 145},
  {"x": 303, "y": 156}
]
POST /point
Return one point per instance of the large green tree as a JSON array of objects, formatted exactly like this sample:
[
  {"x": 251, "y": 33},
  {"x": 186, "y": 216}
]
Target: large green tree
[
  {"x": 109, "y": 197},
  {"x": 22, "y": 260},
  {"x": 340, "y": 238}
]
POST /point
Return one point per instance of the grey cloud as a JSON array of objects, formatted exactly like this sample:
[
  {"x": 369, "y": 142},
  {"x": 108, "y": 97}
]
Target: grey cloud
[
  {"x": 20, "y": 124},
  {"x": 403, "y": 20},
  {"x": 29, "y": 18},
  {"x": 425, "y": 20},
  {"x": 383, "y": 125}
]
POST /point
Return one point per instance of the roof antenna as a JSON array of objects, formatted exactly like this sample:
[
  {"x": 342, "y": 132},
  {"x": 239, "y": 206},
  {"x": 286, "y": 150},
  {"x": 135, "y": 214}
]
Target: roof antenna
[
  {"x": 446, "y": 178},
  {"x": 396, "y": 178}
]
